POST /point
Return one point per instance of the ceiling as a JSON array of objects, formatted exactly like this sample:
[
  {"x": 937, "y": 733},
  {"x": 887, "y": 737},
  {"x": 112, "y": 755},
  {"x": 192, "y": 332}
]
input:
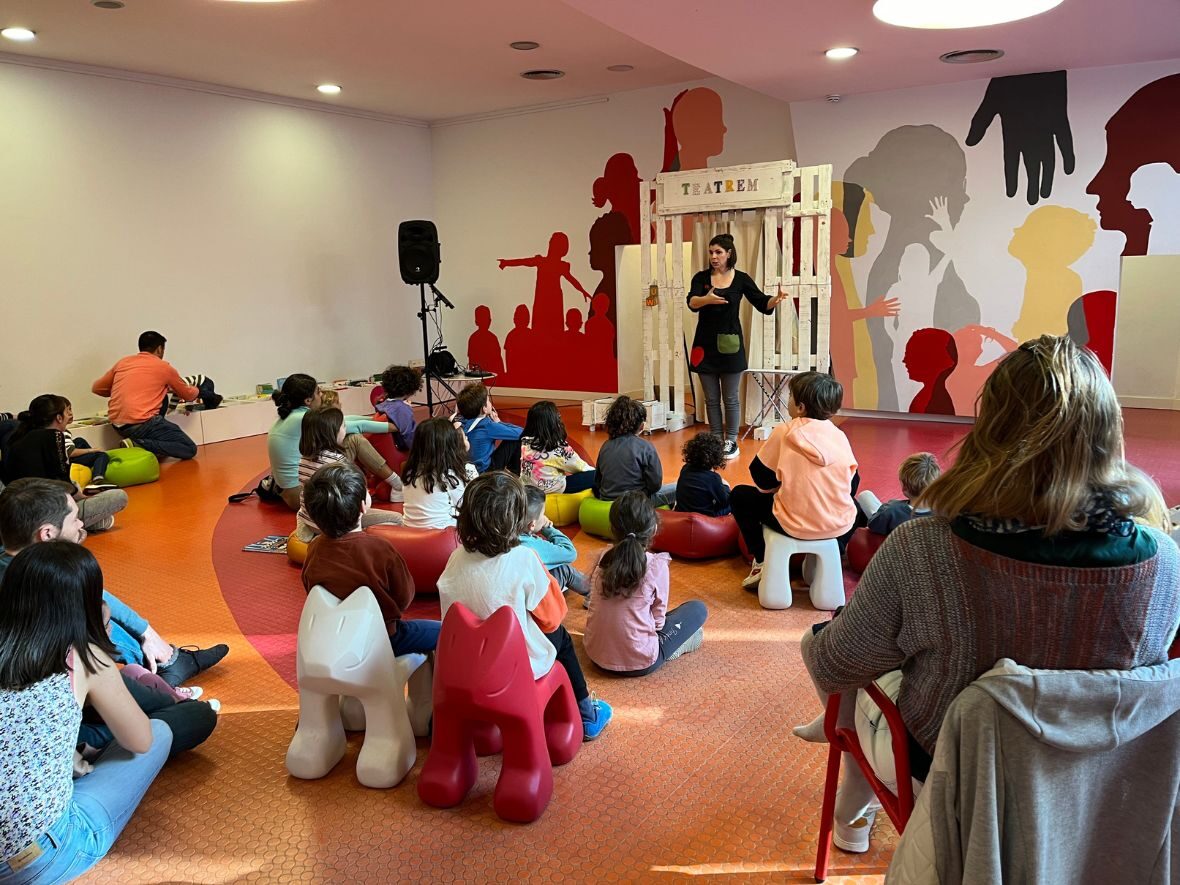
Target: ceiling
[
  {"x": 776, "y": 46},
  {"x": 449, "y": 59},
  {"x": 418, "y": 60}
]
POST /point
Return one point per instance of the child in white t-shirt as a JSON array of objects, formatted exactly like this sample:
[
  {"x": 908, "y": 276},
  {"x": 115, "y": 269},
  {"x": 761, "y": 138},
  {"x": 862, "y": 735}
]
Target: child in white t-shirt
[
  {"x": 492, "y": 569},
  {"x": 435, "y": 474}
]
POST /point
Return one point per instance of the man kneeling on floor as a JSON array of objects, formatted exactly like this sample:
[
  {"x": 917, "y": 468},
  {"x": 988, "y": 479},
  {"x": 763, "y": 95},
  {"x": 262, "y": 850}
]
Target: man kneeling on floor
[{"x": 34, "y": 510}]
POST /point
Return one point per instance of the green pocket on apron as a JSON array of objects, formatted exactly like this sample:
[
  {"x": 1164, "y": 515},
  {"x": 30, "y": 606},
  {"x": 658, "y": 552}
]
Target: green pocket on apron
[{"x": 728, "y": 344}]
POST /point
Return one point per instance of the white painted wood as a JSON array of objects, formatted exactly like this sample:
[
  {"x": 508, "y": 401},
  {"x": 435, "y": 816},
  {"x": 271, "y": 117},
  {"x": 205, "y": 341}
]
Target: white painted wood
[{"x": 646, "y": 190}]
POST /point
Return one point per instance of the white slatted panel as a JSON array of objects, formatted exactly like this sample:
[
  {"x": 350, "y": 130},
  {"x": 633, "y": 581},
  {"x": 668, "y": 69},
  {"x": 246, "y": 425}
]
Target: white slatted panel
[
  {"x": 645, "y": 280},
  {"x": 806, "y": 268},
  {"x": 661, "y": 308},
  {"x": 676, "y": 304}
]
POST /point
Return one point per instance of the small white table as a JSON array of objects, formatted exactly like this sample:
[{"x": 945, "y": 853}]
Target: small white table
[{"x": 775, "y": 392}]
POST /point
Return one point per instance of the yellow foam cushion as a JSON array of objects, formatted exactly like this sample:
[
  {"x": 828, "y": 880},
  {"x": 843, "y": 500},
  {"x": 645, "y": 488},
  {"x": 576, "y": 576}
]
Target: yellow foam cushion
[{"x": 562, "y": 509}]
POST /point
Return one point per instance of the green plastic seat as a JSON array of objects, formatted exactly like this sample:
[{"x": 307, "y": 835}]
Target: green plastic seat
[
  {"x": 132, "y": 467},
  {"x": 594, "y": 517}
]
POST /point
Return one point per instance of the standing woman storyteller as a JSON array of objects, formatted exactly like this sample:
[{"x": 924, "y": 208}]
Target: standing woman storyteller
[{"x": 718, "y": 352}]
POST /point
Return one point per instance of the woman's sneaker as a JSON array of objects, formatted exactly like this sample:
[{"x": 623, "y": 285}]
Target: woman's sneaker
[
  {"x": 751, "y": 581},
  {"x": 596, "y": 715},
  {"x": 731, "y": 449},
  {"x": 854, "y": 837}
]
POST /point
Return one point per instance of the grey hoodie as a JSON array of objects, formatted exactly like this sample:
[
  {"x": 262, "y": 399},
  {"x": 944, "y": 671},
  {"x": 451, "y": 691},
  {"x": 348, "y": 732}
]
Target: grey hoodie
[{"x": 1054, "y": 776}]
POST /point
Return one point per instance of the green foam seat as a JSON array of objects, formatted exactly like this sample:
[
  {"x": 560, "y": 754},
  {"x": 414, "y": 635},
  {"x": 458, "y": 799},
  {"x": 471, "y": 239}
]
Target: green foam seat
[{"x": 132, "y": 467}]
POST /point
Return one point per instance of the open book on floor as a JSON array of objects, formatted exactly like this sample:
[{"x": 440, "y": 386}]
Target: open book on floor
[{"x": 269, "y": 544}]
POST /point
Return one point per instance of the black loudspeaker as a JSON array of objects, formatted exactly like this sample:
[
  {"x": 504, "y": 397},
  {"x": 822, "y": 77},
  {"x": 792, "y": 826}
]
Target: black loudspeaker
[{"x": 417, "y": 251}]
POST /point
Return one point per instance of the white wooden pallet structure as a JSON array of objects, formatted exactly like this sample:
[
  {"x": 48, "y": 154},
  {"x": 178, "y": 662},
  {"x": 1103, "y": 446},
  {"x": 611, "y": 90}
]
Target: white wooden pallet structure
[{"x": 790, "y": 199}]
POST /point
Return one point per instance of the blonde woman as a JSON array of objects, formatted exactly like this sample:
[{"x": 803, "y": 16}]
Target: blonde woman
[{"x": 1044, "y": 547}]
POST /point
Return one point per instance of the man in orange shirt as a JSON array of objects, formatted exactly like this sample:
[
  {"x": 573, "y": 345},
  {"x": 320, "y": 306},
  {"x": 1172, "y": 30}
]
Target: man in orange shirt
[{"x": 138, "y": 387}]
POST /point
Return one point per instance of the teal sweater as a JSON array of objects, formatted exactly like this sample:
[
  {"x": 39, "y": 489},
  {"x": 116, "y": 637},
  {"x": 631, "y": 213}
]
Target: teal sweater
[
  {"x": 282, "y": 443},
  {"x": 552, "y": 546}
]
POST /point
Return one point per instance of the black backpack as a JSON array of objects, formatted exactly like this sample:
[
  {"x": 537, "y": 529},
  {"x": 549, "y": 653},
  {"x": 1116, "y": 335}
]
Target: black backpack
[{"x": 267, "y": 490}]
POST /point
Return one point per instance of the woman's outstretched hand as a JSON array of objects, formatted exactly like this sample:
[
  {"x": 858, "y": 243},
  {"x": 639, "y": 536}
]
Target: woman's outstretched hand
[{"x": 776, "y": 300}]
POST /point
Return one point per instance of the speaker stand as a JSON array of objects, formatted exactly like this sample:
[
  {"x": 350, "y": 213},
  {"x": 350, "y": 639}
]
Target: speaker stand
[{"x": 422, "y": 315}]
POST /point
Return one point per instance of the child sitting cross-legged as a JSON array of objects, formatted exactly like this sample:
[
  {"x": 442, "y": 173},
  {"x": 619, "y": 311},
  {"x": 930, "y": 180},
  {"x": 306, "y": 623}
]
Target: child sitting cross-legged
[
  {"x": 435, "y": 475},
  {"x": 321, "y": 442},
  {"x": 493, "y": 569},
  {"x": 630, "y": 630},
  {"x": 627, "y": 463},
  {"x": 495, "y": 444},
  {"x": 700, "y": 489},
  {"x": 916, "y": 473},
  {"x": 551, "y": 544},
  {"x": 547, "y": 460},
  {"x": 344, "y": 557}
]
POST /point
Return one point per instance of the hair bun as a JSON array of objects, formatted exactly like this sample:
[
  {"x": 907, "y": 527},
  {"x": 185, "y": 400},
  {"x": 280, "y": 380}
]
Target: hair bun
[
  {"x": 25, "y": 417},
  {"x": 279, "y": 397}
]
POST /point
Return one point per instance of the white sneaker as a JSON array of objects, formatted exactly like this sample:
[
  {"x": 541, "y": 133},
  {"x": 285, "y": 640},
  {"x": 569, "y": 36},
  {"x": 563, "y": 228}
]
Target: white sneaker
[
  {"x": 192, "y": 692},
  {"x": 104, "y": 525},
  {"x": 215, "y": 704},
  {"x": 128, "y": 444},
  {"x": 750, "y": 581},
  {"x": 854, "y": 837}
]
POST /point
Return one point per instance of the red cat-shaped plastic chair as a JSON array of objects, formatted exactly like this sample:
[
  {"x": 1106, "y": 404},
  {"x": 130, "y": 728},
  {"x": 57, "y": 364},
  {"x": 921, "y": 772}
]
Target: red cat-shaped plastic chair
[{"x": 484, "y": 692}]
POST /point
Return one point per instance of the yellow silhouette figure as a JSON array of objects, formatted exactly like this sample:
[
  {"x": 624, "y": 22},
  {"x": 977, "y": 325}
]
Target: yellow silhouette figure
[
  {"x": 864, "y": 370},
  {"x": 1050, "y": 240}
]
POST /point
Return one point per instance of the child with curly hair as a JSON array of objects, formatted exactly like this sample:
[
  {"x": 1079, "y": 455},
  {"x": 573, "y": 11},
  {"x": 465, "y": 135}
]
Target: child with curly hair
[
  {"x": 700, "y": 489},
  {"x": 400, "y": 383}
]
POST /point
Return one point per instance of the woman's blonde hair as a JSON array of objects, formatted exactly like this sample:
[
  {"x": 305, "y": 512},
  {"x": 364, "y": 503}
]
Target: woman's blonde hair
[{"x": 1049, "y": 436}]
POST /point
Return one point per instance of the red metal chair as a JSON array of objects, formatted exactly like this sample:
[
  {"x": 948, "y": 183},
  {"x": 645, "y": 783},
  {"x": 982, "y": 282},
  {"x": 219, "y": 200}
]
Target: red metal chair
[{"x": 899, "y": 807}]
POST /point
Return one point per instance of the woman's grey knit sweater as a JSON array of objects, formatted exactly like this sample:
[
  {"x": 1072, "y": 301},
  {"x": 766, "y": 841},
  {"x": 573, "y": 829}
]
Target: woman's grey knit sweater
[{"x": 944, "y": 611}]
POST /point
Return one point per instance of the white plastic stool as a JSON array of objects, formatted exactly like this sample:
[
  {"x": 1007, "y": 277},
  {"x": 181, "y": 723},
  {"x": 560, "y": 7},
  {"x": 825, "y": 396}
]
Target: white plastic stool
[
  {"x": 344, "y": 654},
  {"x": 827, "y": 579}
]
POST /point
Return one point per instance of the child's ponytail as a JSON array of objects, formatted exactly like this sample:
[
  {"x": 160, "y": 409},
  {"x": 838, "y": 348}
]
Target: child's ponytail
[{"x": 633, "y": 522}]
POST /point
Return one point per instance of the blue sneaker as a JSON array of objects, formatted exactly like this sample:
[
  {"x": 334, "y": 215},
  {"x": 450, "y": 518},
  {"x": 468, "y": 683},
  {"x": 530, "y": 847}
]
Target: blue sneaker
[{"x": 595, "y": 716}]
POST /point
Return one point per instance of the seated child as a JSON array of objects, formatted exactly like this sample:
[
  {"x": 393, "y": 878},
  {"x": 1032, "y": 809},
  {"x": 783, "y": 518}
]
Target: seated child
[
  {"x": 630, "y": 630},
  {"x": 478, "y": 419},
  {"x": 344, "y": 557},
  {"x": 805, "y": 475},
  {"x": 556, "y": 551},
  {"x": 700, "y": 489},
  {"x": 547, "y": 460},
  {"x": 916, "y": 473},
  {"x": 400, "y": 383},
  {"x": 493, "y": 569},
  {"x": 321, "y": 442},
  {"x": 435, "y": 474},
  {"x": 627, "y": 463}
]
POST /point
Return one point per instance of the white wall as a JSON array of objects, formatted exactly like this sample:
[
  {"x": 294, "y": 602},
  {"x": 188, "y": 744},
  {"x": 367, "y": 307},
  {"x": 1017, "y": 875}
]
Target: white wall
[
  {"x": 504, "y": 185},
  {"x": 260, "y": 239}
]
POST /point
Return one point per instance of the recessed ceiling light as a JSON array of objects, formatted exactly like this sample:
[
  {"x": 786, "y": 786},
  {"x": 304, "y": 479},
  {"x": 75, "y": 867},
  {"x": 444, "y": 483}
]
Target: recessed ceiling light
[
  {"x": 971, "y": 56},
  {"x": 20, "y": 35},
  {"x": 620, "y": 69},
  {"x": 524, "y": 45},
  {"x": 328, "y": 89},
  {"x": 960, "y": 14},
  {"x": 108, "y": 4},
  {"x": 543, "y": 75},
  {"x": 842, "y": 52}
]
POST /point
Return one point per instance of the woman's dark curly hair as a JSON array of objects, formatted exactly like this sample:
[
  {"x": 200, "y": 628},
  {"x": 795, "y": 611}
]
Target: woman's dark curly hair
[
  {"x": 493, "y": 513},
  {"x": 398, "y": 382},
  {"x": 625, "y": 417},
  {"x": 705, "y": 451}
]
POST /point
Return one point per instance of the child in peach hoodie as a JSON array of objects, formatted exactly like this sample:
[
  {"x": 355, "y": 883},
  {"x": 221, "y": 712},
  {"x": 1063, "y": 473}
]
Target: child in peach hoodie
[{"x": 805, "y": 475}]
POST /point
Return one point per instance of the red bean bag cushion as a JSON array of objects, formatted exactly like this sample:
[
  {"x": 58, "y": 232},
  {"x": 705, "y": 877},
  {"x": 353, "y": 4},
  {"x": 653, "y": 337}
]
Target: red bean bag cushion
[
  {"x": 394, "y": 457},
  {"x": 377, "y": 396},
  {"x": 696, "y": 536},
  {"x": 861, "y": 548},
  {"x": 425, "y": 551}
]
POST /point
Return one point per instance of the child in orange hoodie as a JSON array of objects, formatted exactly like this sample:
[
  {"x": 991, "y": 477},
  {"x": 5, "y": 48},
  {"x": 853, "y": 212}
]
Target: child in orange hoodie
[{"x": 805, "y": 475}]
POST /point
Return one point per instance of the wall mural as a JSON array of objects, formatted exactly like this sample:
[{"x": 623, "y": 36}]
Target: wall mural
[
  {"x": 580, "y": 337},
  {"x": 911, "y": 337}
]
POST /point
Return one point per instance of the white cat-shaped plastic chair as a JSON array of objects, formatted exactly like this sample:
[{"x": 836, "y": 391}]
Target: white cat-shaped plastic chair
[{"x": 349, "y": 677}]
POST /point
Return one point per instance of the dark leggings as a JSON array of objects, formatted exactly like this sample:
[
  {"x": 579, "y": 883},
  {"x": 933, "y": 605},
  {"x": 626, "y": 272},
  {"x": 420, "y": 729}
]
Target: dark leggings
[
  {"x": 579, "y": 482},
  {"x": 723, "y": 390},
  {"x": 191, "y": 722},
  {"x": 568, "y": 658},
  {"x": 680, "y": 624},
  {"x": 754, "y": 508}
]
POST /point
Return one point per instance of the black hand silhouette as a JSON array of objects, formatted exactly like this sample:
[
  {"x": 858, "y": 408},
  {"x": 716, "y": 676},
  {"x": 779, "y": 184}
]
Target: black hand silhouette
[{"x": 1032, "y": 111}]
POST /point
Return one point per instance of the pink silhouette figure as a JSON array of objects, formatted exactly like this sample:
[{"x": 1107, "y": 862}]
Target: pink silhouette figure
[
  {"x": 930, "y": 357},
  {"x": 552, "y": 268},
  {"x": 967, "y": 379},
  {"x": 483, "y": 347},
  {"x": 694, "y": 129}
]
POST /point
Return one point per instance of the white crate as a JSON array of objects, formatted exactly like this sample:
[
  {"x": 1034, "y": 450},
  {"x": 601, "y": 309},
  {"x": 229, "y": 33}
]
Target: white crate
[
  {"x": 594, "y": 411},
  {"x": 656, "y": 417}
]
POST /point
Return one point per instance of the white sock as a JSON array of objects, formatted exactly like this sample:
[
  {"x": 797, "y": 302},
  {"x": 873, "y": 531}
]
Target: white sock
[
  {"x": 812, "y": 732},
  {"x": 395, "y": 482}
]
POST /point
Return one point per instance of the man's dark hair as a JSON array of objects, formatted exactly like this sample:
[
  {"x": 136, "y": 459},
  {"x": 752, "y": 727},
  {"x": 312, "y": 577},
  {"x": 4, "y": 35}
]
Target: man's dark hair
[
  {"x": 472, "y": 399},
  {"x": 334, "y": 498},
  {"x": 625, "y": 417},
  {"x": 493, "y": 513},
  {"x": 398, "y": 382},
  {"x": 821, "y": 395},
  {"x": 29, "y": 503},
  {"x": 149, "y": 341}
]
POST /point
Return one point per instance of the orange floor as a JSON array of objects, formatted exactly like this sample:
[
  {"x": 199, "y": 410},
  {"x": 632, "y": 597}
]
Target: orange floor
[{"x": 697, "y": 775}]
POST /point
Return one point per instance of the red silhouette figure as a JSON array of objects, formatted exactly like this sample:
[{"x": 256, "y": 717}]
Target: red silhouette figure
[
  {"x": 930, "y": 357},
  {"x": 574, "y": 343},
  {"x": 619, "y": 186},
  {"x": 485, "y": 698},
  {"x": 694, "y": 129},
  {"x": 1146, "y": 129},
  {"x": 1091, "y": 324},
  {"x": 483, "y": 347},
  {"x": 517, "y": 349},
  {"x": 552, "y": 268}
]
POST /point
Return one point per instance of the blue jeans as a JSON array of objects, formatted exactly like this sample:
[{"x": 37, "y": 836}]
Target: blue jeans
[
  {"x": 415, "y": 637},
  {"x": 103, "y": 802},
  {"x": 160, "y": 437},
  {"x": 96, "y": 461},
  {"x": 665, "y": 496}
]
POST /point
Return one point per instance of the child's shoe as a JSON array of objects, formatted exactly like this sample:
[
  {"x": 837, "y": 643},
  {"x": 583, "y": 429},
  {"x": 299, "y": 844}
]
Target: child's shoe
[
  {"x": 98, "y": 484},
  {"x": 595, "y": 716},
  {"x": 690, "y": 645},
  {"x": 751, "y": 581},
  {"x": 189, "y": 692}
]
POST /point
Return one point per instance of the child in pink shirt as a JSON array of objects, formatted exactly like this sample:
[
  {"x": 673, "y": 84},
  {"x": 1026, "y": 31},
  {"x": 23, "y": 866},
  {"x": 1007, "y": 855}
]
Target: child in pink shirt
[
  {"x": 630, "y": 630},
  {"x": 805, "y": 475}
]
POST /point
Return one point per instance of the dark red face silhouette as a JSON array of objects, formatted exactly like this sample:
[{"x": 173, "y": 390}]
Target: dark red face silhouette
[
  {"x": 1146, "y": 129},
  {"x": 520, "y": 317},
  {"x": 559, "y": 244},
  {"x": 930, "y": 355},
  {"x": 483, "y": 317}
]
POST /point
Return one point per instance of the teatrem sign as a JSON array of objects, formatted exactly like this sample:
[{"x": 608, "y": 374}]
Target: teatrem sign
[{"x": 729, "y": 187}]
